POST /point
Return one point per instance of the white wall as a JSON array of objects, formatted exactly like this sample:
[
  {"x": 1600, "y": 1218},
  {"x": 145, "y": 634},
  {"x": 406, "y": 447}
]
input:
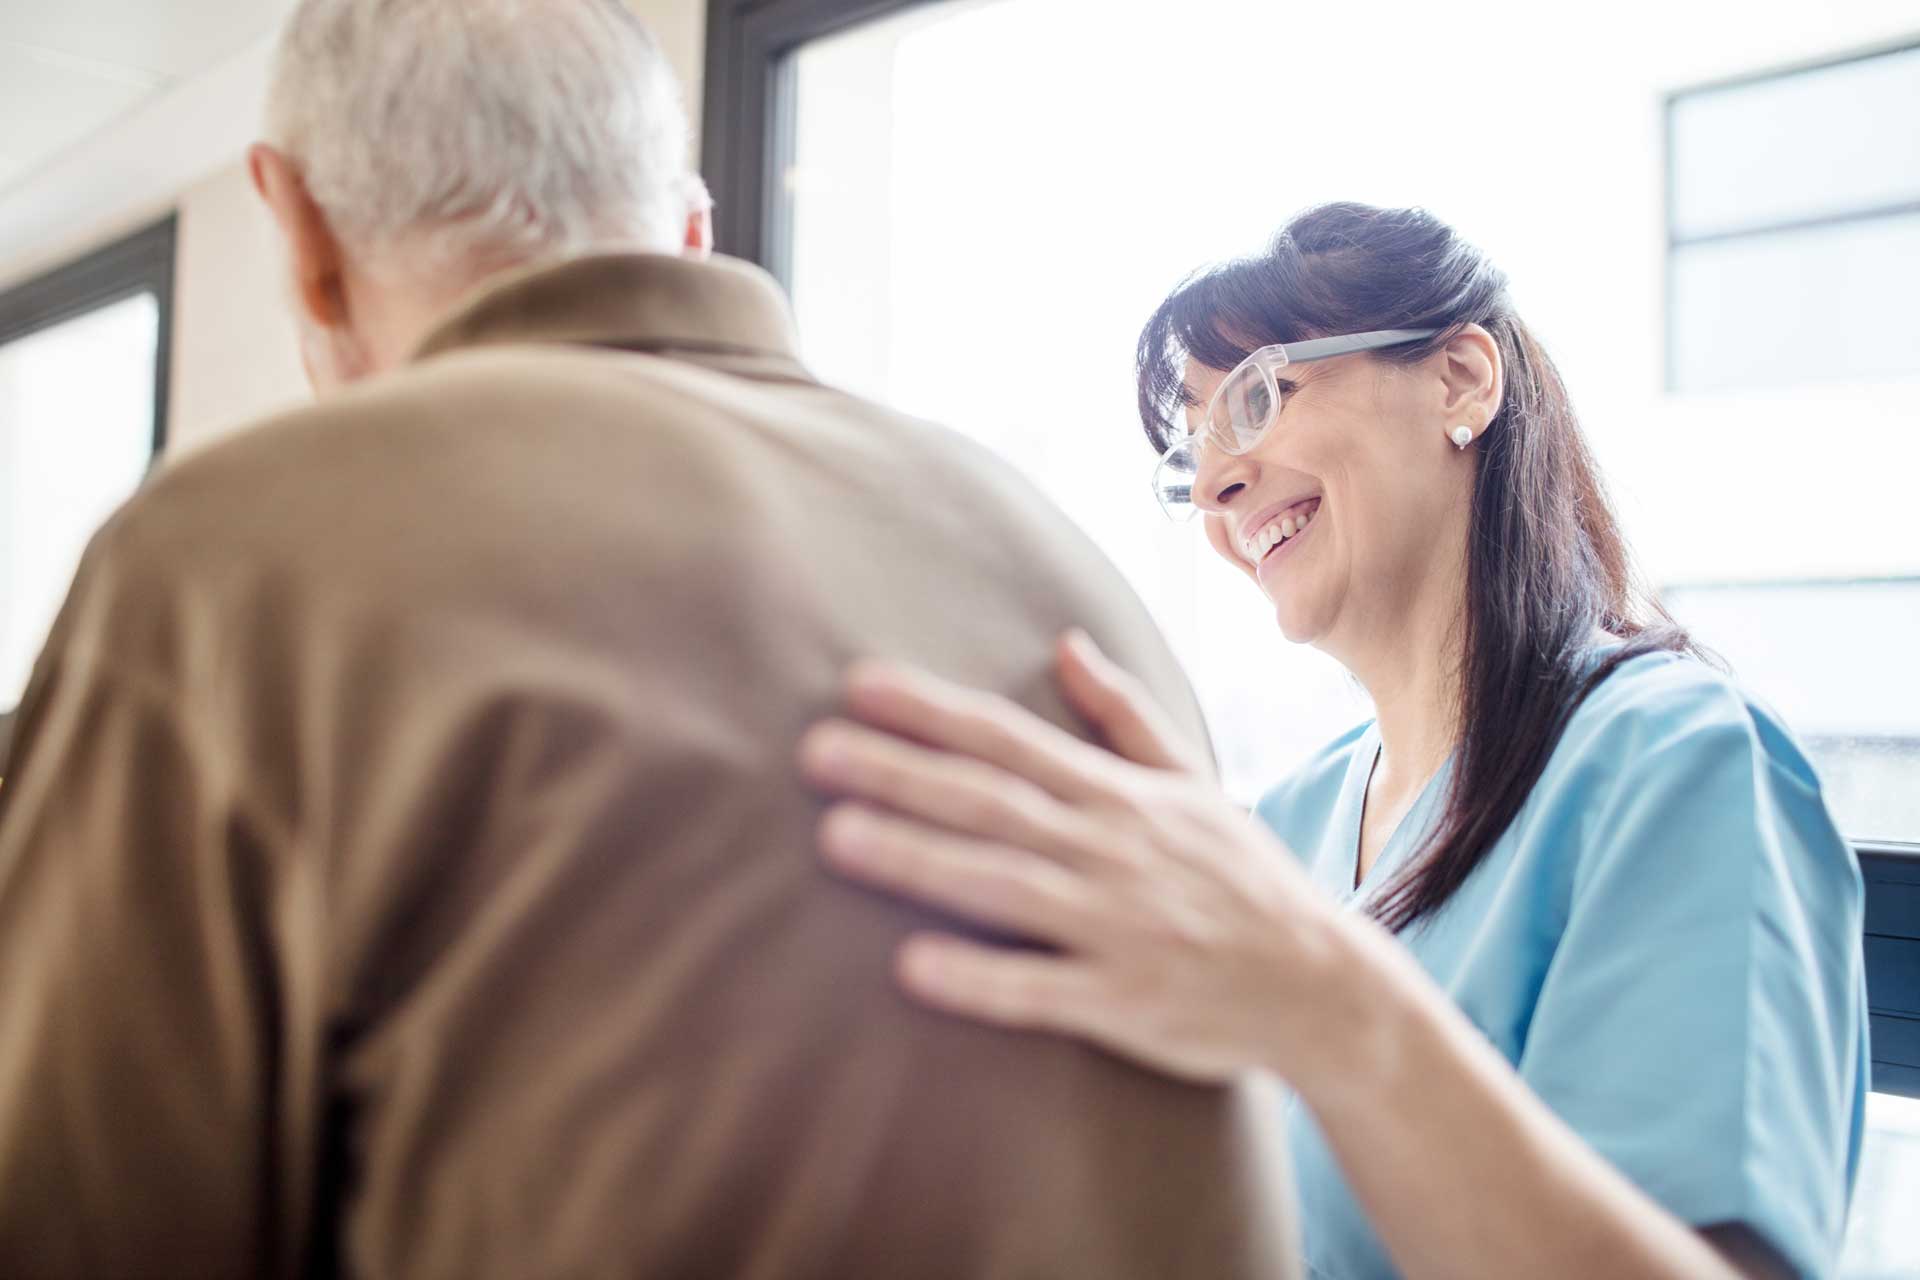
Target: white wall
[
  {"x": 233, "y": 357},
  {"x": 234, "y": 354}
]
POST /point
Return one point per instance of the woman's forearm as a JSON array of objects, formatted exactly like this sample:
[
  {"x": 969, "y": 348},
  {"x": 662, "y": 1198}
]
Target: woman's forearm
[
  {"x": 1191, "y": 941},
  {"x": 1461, "y": 1169}
]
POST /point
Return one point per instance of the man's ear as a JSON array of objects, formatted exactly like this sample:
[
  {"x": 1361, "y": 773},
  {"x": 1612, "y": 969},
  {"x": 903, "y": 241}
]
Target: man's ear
[
  {"x": 698, "y": 241},
  {"x": 313, "y": 252},
  {"x": 1472, "y": 377}
]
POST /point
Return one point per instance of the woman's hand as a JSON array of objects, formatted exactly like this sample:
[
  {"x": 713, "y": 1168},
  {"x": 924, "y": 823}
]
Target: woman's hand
[
  {"x": 1118, "y": 707},
  {"x": 1188, "y": 938}
]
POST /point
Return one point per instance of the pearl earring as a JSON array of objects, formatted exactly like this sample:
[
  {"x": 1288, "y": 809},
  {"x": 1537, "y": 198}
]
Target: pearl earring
[{"x": 1462, "y": 436}]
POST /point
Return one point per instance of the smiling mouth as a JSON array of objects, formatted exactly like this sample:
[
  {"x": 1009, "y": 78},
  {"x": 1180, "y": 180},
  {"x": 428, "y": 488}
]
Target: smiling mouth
[{"x": 1281, "y": 531}]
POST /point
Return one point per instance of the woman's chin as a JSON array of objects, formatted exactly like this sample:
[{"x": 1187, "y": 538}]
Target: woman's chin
[
  {"x": 1293, "y": 626},
  {"x": 1299, "y": 626}
]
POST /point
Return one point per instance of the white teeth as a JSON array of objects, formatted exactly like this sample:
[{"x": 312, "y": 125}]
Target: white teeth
[{"x": 1279, "y": 531}]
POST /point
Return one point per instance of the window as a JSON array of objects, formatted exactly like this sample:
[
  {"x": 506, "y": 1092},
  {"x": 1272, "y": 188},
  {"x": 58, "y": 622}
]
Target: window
[
  {"x": 976, "y": 203},
  {"x": 1782, "y": 276},
  {"x": 1858, "y": 719},
  {"x": 1792, "y": 298},
  {"x": 1019, "y": 235},
  {"x": 83, "y": 377},
  {"x": 1880, "y": 1236}
]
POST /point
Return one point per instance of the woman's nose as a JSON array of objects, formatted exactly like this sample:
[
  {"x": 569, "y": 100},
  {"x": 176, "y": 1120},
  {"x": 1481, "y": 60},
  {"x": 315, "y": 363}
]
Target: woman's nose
[{"x": 1219, "y": 477}]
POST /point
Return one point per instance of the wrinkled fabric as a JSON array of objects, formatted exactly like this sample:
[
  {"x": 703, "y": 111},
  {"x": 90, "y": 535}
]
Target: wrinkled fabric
[{"x": 404, "y": 870}]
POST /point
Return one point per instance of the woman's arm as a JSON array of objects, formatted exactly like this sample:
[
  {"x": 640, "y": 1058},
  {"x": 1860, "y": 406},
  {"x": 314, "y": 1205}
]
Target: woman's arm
[
  {"x": 1191, "y": 940},
  {"x": 1461, "y": 1168}
]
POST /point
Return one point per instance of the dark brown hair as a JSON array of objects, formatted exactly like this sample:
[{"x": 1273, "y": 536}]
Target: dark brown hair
[{"x": 1546, "y": 564}]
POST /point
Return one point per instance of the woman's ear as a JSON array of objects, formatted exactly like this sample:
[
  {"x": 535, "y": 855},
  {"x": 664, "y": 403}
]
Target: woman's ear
[{"x": 1471, "y": 376}]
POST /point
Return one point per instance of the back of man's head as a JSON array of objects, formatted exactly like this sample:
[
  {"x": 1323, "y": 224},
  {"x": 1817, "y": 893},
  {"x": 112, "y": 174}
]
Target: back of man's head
[
  {"x": 415, "y": 147},
  {"x": 437, "y": 132}
]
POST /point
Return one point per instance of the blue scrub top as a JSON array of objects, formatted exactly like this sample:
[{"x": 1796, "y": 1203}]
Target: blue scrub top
[{"x": 1665, "y": 944}]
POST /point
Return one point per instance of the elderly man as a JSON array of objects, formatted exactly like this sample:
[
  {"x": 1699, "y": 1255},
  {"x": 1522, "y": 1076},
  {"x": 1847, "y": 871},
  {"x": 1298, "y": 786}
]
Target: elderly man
[{"x": 403, "y": 866}]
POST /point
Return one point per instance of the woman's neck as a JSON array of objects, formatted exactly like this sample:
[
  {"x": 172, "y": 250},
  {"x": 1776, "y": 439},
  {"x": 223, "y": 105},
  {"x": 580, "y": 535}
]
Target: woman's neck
[
  {"x": 1411, "y": 663},
  {"x": 1417, "y": 708},
  {"x": 1414, "y": 681}
]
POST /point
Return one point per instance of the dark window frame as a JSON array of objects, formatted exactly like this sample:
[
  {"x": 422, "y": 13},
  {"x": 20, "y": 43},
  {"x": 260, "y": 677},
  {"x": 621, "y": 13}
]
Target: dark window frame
[
  {"x": 1892, "y": 874},
  {"x": 747, "y": 122},
  {"x": 749, "y": 139},
  {"x": 142, "y": 262},
  {"x": 1891, "y": 870},
  {"x": 1669, "y": 161}
]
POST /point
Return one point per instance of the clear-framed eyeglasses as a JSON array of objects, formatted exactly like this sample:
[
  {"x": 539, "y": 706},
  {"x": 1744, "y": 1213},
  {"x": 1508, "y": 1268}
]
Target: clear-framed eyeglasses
[{"x": 1246, "y": 405}]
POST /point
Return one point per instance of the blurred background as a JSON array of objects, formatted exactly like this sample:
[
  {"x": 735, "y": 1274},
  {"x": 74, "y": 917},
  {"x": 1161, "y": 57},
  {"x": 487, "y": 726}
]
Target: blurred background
[{"x": 1710, "y": 214}]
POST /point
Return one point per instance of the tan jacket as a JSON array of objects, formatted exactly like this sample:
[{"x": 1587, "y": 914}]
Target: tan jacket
[{"x": 403, "y": 870}]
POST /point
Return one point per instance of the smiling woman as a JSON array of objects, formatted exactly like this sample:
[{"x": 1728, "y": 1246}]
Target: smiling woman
[
  {"x": 1374, "y": 445},
  {"x": 1566, "y": 927}
]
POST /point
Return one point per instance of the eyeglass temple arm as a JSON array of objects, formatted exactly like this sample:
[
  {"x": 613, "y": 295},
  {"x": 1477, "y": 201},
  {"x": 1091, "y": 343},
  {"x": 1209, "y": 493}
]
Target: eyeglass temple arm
[{"x": 1321, "y": 348}]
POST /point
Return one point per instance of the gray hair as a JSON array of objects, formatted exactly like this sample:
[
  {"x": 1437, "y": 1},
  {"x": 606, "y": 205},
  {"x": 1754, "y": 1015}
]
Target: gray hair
[{"x": 442, "y": 134}]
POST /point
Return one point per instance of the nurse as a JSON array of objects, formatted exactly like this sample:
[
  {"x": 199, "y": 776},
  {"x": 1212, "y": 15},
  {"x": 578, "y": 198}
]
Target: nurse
[{"x": 1559, "y": 953}]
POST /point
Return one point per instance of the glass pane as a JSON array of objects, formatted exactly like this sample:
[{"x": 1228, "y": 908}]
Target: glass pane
[
  {"x": 1807, "y": 145},
  {"x": 1825, "y": 304},
  {"x": 1881, "y": 1241},
  {"x": 987, "y": 258},
  {"x": 1836, "y": 660},
  {"x": 76, "y": 435}
]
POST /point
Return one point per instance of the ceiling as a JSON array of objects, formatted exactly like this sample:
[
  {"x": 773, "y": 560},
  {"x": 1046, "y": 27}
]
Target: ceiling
[{"x": 69, "y": 68}]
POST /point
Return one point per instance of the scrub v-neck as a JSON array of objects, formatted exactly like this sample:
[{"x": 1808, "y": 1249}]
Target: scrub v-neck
[{"x": 1411, "y": 828}]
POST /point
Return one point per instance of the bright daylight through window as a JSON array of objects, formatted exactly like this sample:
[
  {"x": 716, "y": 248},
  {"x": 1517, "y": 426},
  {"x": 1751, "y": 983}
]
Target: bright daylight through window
[
  {"x": 76, "y": 435},
  {"x": 1000, "y": 288}
]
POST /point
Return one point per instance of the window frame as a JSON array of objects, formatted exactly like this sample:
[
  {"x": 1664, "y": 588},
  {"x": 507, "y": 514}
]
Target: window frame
[
  {"x": 1892, "y": 875},
  {"x": 142, "y": 262},
  {"x": 1672, "y": 242},
  {"x": 1891, "y": 870},
  {"x": 139, "y": 263},
  {"x": 748, "y": 103}
]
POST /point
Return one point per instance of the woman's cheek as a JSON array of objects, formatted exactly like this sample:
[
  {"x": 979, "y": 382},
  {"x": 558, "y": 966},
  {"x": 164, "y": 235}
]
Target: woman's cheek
[{"x": 1223, "y": 547}]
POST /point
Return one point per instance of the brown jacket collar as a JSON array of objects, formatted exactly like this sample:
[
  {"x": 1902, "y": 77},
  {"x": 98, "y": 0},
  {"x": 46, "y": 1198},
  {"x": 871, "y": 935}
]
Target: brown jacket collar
[{"x": 636, "y": 301}]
